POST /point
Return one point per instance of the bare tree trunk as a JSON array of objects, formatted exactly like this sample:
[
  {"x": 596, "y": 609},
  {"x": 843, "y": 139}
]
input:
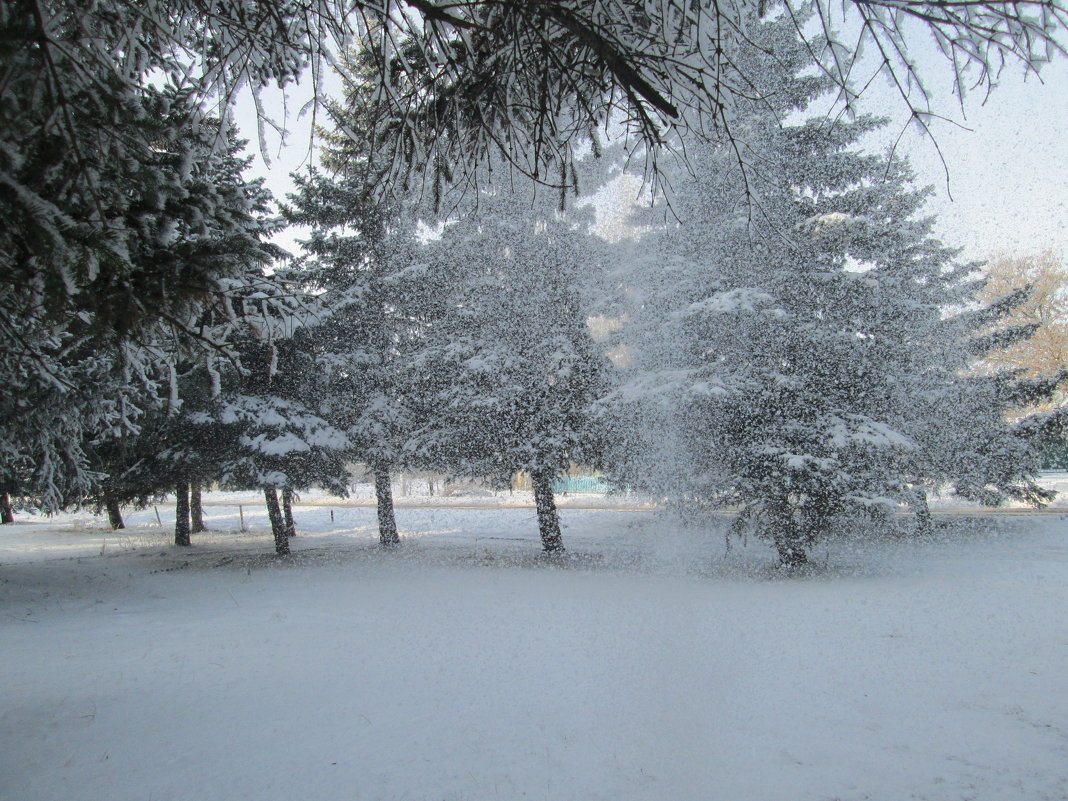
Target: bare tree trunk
[
  {"x": 278, "y": 526},
  {"x": 114, "y": 513},
  {"x": 6, "y": 513},
  {"x": 387, "y": 524},
  {"x": 181, "y": 514},
  {"x": 548, "y": 520},
  {"x": 923, "y": 513},
  {"x": 789, "y": 540},
  {"x": 789, "y": 544},
  {"x": 791, "y": 552},
  {"x": 287, "y": 512},
  {"x": 196, "y": 507}
]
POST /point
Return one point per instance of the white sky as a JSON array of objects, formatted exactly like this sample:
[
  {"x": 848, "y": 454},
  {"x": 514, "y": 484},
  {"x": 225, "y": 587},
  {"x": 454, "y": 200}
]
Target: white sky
[{"x": 1008, "y": 171}]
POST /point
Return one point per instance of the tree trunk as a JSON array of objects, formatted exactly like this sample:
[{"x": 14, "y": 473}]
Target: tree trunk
[
  {"x": 181, "y": 514},
  {"x": 196, "y": 507},
  {"x": 387, "y": 524},
  {"x": 548, "y": 520},
  {"x": 923, "y": 513},
  {"x": 791, "y": 552},
  {"x": 278, "y": 526},
  {"x": 287, "y": 512},
  {"x": 114, "y": 514},
  {"x": 6, "y": 514},
  {"x": 789, "y": 540}
]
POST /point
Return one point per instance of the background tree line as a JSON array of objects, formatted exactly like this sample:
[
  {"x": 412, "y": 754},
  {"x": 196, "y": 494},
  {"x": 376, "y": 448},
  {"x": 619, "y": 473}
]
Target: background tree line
[{"x": 153, "y": 342}]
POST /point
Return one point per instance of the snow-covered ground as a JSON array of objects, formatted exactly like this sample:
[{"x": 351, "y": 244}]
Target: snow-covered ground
[{"x": 647, "y": 663}]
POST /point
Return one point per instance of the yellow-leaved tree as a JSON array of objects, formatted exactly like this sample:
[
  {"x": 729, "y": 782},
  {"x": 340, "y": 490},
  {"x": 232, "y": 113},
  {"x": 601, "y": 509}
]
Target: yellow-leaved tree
[{"x": 1045, "y": 353}]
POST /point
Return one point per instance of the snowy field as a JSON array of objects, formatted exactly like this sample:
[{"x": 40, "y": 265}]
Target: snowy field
[{"x": 647, "y": 663}]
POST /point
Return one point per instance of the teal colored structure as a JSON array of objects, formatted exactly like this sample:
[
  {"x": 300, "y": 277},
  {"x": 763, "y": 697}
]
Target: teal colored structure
[{"x": 576, "y": 485}]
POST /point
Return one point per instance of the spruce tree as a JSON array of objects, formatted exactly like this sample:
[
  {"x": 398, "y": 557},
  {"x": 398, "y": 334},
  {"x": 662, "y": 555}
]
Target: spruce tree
[
  {"x": 372, "y": 300},
  {"x": 369, "y": 312},
  {"x": 279, "y": 438},
  {"x": 508, "y": 365},
  {"x": 214, "y": 219},
  {"x": 798, "y": 350},
  {"x": 95, "y": 355}
]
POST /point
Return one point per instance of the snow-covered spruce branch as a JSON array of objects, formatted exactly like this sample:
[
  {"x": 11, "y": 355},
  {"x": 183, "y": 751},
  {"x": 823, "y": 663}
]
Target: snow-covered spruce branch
[{"x": 457, "y": 81}]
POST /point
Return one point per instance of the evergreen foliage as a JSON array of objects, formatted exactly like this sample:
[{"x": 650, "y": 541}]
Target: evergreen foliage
[
  {"x": 133, "y": 252},
  {"x": 810, "y": 357},
  {"x": 357, "y": 263},
  {"x": 508, "y": 367},
  {"x": 90, "y": 355}
]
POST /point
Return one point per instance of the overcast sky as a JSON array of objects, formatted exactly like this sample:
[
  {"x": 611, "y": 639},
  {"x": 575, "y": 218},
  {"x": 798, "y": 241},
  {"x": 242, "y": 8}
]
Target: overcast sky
[{"x": 1008, "y": 171}]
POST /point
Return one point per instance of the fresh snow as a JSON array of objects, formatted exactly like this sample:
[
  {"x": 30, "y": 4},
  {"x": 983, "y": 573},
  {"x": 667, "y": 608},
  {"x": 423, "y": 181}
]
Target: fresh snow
[{"x": 647, "y": 663}]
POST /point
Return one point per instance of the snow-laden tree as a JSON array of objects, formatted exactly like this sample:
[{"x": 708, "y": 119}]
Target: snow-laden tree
[
  {"x": 89, "y": 353},
  {"x": 91, "y": 149},
  {"x": 508, "y": 367},
  {"x": 246, "y": 423},
  {"x": 90, "y": 146},
  {"x": 165, "y": 455},
  {"x": 459, "y": 80},
  {"x": 808, "y": 356},
  {"x": 236, "y": 423},
  {"x": 281, "y": 441},
  {"x": 370, "y": 313},
  {"x": 370, "y": 299}
]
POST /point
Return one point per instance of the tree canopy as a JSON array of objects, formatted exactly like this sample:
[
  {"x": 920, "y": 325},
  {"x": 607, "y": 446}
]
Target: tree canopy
[
  {"x": 811, "y": 362},
  {"x": 115, "y": 111},
  {"x": 447, "y": 85}
]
